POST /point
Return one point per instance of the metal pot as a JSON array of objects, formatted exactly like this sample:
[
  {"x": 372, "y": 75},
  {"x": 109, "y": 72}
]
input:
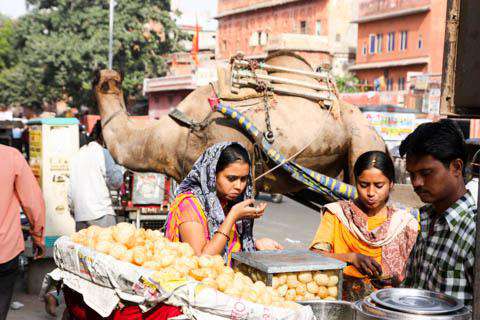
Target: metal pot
[
  {"x": 366, "y": 310},
  {"x": 330, "y": 310}
]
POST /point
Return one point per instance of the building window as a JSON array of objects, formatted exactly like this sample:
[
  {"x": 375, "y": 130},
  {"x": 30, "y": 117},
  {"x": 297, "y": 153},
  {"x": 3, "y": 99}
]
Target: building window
[
  {"x": 401, "y": 84},
  {"x": 391, "y": 42},
  {"x": 338, "y": 37},
  {"x": 379, "y": 43},
  {"x": 389, "y": 84},
  {"x": 254, "y": 39},
  {"x": 372, "y": 44},
  {"x": 403, "y": 40},
  {"x": 318, "y": 27},
  {"x": 224, "y": 45},
  {"x": 364, "y": 49},
  {"x": 263, "y": 38},
  {"x": 303, "y": 27},
  {"x": 420, "y": 42}
]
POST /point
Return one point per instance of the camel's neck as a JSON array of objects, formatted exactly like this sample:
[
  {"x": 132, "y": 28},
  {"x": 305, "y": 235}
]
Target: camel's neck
[
  {"x": 137, "y": 144},
  {"x": 110, "y": 104}
]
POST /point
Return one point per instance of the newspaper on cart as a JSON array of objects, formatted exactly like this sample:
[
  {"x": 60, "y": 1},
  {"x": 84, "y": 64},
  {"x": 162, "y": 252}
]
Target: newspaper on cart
[{"x": 104, "y": 281}]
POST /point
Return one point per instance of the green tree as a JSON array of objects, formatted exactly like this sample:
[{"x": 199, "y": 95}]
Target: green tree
[
  {"x": 347, "y": 83},
  {"x": 60, "y": 44},
  {"x": 7, "y": 51}
]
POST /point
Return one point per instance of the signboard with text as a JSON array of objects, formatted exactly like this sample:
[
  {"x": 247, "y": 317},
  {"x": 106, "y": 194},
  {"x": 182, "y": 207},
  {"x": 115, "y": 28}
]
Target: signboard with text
[{"x": 392, "y": 126}]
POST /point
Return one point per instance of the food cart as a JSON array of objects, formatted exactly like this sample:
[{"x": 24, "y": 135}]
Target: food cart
[
  {"x": 104, "y": 281},
  {"x": 107, "y": 282}
]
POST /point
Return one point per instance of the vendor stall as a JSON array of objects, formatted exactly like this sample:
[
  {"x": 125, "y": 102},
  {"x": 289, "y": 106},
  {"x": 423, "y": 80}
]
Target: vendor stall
[
  {"x": 127, "y": 273},
  {"x": 124, "y": 266}
]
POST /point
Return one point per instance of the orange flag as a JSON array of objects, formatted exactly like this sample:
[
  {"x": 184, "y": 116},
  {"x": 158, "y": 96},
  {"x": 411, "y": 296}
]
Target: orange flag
[{"x": 194, "y": 51}]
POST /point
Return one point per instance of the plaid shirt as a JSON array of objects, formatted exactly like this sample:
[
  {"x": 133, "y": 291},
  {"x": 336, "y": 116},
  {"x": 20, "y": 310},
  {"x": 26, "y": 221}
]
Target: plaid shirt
[{"x": 443, "y": 261}]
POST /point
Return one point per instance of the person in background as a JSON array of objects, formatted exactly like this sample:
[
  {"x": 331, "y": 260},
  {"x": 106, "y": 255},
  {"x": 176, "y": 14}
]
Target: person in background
[
  {"x": 19, "y": 188},
  {"x": 92, "y": 173},
  {"x": 213, "y": 210},
  {"x": 82, "y": 135},
  {"x": 372, "y": 236},
  {"x": 26, "y": 142},
  {"x": 17, "y": 131},
  {"x": 443, "y": 257}
]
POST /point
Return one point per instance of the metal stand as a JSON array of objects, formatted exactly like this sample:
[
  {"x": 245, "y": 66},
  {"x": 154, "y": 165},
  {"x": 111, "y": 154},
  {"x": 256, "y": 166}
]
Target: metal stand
[{"x": 476, "y": 282}]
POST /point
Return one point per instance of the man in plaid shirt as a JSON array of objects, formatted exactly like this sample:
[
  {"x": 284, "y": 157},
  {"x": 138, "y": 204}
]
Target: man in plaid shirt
[{"x": 442, "y": 259}]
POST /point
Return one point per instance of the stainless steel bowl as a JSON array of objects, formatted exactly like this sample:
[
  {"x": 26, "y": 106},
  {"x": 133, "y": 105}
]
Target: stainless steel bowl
[
  {"x": 330, "y": 310},
  {"x": 366, "y": 310},
  {"x": 416, "y": 301}
]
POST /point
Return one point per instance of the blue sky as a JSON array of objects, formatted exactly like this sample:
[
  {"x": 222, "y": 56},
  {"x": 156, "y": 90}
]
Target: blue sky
[{"x": 204, "y": 10}]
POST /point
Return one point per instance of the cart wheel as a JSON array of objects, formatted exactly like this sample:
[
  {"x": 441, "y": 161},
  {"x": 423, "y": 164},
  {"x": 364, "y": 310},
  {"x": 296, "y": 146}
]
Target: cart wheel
[{"x": 277, "y": 198}]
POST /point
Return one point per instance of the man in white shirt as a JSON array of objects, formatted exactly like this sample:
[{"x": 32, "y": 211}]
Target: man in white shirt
[{"x": 92, "y": 173}]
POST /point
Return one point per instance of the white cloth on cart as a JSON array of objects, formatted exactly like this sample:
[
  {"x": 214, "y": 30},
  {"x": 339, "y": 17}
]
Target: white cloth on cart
[
  {"x": 101, "y": 299},
  {"x": 108, "y": 277}
]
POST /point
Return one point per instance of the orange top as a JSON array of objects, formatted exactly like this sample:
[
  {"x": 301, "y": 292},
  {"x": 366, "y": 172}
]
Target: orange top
[
  {"x": 18, "y": 187},
  {"x": 186, "y": 208},
  {"x": 332, "y": 232}
]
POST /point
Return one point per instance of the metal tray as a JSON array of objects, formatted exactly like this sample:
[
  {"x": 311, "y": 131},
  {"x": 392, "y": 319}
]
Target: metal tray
[
  {"x": 367, "y": 310},
  {"x": 416, "y": 301},
  {"x": 281, "y": 261}
]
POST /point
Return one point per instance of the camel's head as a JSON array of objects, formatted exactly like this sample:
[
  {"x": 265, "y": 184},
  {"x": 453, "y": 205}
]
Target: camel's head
[{"x": 107, "y": 82}]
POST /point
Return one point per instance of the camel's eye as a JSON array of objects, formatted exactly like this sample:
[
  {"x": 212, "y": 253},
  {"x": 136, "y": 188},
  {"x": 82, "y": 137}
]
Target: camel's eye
[{"x": 105, "y": 87}]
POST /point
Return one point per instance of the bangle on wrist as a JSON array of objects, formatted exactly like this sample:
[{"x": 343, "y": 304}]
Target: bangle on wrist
[{"x": 223, "y": 234}]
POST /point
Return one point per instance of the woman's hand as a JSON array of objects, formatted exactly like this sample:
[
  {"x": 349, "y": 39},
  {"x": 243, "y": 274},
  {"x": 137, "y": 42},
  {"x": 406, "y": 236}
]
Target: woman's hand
[
  {"x": 267, "y": 244},
  {"x": 243, "y": 210},
  {"x": 365, "y": 264},
  {"x": 393, "y": 281}
]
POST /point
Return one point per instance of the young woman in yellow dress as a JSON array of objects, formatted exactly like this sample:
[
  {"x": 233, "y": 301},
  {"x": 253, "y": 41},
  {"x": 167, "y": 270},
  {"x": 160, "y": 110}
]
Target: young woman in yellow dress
[{"x": 372, "y": 236}]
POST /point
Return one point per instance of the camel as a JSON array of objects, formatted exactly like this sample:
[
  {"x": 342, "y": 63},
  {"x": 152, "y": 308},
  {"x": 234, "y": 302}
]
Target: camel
[{"x": 333, "y": 140}]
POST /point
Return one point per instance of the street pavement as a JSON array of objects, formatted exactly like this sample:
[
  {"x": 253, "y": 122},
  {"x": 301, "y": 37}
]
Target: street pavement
[{"x": 290, "y": 223}]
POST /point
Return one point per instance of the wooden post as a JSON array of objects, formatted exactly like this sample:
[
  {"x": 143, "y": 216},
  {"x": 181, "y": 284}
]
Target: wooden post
[{"x": 450, "y": 57}]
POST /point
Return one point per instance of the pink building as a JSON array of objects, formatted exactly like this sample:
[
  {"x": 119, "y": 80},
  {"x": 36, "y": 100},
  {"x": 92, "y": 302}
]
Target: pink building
[
  {"x": 319, "y": 30},
  {"x": 398, "y": 39},
  {"x": 165, "y": 93}
]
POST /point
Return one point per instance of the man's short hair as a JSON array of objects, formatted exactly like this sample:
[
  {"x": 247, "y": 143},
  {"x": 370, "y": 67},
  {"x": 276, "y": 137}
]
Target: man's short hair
[
  {"x": 442, "y": 140},
  {"x": 96, "y": 134}
]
